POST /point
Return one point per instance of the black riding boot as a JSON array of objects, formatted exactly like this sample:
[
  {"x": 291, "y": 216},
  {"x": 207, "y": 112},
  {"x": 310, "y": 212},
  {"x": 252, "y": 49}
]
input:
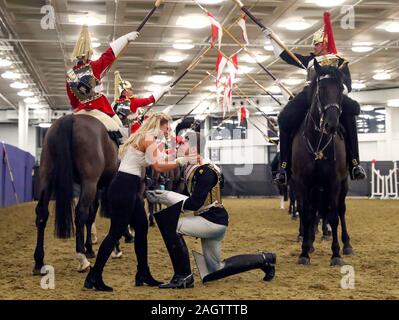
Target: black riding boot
[
  {"x": 167, "y": 223},
  {"x": 282, "y": 174},
  {"x": 95, "y": 281},
  {"x": 356, "y": 171},
  {"x": 145, "y": 277},
  {"x": 242, "y": 263}
]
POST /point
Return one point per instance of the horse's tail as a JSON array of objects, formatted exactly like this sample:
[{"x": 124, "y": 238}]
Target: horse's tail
[
  {"x": 104, "y": 208},
  {"x": 63, "y": 179}
]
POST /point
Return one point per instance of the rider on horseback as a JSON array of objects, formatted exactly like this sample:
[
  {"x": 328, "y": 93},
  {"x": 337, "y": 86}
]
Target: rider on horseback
[
  {"x": 126, "y": 103},
  {"x": 83, "y": 83},
  {"x": 292, "y": 115}
]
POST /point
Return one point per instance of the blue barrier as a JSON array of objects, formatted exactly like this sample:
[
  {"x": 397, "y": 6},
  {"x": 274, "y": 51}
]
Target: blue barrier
[{"x": 15, "y": 175}]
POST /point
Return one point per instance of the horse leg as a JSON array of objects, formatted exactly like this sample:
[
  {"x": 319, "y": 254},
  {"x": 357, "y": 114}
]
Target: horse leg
[
  {"x": 42, "y": 215},
  {"x": 307, "y": 224},
  {"x": 151, "y": 217},
  {"x": 347, "y": 250},
  {"x": 336, "y": 259},
  {"x": 82, "y": 212},
  {"x": 89, "y": 224}
]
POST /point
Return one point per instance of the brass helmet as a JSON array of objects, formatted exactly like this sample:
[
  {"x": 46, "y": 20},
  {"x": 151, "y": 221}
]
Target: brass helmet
[
  {"x": 120, "y": 85},
  {"x": 318, "y": 36},
  {"x": 83, "y": 47}
]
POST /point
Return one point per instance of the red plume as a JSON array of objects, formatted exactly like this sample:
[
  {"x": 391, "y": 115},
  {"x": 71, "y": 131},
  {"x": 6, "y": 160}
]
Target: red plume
[
  {"x": 243, "y": 115},
  {"x": 328, "y": 40}
]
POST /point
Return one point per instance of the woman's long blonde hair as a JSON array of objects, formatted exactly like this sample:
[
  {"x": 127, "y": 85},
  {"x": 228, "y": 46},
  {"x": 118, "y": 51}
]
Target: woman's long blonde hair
[{"x": 152, "y": 124}]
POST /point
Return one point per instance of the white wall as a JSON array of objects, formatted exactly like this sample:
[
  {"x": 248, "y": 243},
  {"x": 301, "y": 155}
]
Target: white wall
[{"x": 9, "y": 134}]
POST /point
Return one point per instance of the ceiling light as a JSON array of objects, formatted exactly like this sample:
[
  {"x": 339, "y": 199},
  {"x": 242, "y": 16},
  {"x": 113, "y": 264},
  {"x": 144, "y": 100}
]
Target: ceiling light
[
  {"x": 10, "y": 75},
  {"x": 32, "y": 100},
  {"x": 367, "y": 108},
  {"x": 292, "y": 81},
  {"x": 361, "y": 47},
  {"x": 173, "y": 58},
  {"x": 358, "y": 85},
  {"x": 5, "y": 62},
  {"x": 159, "y": 79},
  {"x": 249, "y": 59},
  {"x": 274, "y": 89},
  {"x": 390, "y": 26},
  {"x": 296, "y": 25},
  {"x": 382, "y": 76},
  {"x": 45, "y": 125},
  {"x": 244, "y": 69},
  {"x": 326, "y": 3},
  {"x": 193, "y": 21},
  {"x": 268, "y": 47},
  {"x": 19, "y": 85},
  {"x": 25, "y": 93},
  {"x": 35, "y": 106},
  {"x": 381, "y": 111},
  {"x": 88, "y": 19},
  {"x": 393, "y": 103},
  {"x": 152, "y": 88},
  {"x": 214, "y": 89},
  {"x": 267, "y": 109},
  {"x": 96, "y": 44},
  {"x": 210, "y": 1},
  {"x": 183, "y": 45}
]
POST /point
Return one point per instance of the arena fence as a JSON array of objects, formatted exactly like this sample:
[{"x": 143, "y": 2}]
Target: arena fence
[
  {"x": 15, "y": 175},
  {"x": 384, "y": 186}
]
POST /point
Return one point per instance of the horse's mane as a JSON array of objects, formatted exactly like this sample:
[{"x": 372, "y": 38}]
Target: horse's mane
[{"x": 334, "y": 72}]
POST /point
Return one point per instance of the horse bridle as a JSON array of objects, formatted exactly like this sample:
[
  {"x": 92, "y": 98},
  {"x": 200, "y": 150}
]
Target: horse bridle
[{"x": 318, "y": 152}]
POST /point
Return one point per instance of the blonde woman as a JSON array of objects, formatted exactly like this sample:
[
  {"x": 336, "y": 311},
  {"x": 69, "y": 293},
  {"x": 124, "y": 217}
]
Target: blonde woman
[{"x": 138, "y": 152}]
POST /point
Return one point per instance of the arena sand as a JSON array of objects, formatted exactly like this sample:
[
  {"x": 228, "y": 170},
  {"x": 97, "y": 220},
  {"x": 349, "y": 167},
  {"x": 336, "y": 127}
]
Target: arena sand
[{"x": 255, "y": 224}]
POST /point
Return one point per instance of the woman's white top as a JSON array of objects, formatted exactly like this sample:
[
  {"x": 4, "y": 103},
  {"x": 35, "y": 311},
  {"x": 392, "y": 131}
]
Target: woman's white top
[{"x": 134, "y": 162}]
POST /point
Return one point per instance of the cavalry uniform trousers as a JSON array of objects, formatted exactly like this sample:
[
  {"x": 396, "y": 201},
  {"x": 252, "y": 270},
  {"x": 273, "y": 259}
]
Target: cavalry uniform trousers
[
  {"x": 293, "y": 114},
  {"x": 209, "y": 223}
]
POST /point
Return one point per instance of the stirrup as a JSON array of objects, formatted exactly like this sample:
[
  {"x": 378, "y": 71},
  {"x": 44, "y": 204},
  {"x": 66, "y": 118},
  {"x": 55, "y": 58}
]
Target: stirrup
[
  {"x": 360, "y": 175},
  {"x": 281, "y": 178}
]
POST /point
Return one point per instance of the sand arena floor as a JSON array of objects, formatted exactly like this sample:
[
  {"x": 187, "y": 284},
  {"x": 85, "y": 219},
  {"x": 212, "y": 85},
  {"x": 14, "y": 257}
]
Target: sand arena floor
[{"x": 255, "y": 224}]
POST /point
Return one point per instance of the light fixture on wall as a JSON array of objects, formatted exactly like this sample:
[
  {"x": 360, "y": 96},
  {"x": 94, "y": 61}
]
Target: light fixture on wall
[{"x": 45, "y": 125}]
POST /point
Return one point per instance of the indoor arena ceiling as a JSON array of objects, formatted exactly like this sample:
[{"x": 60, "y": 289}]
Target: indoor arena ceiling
[{"x": 42, "y": 56}]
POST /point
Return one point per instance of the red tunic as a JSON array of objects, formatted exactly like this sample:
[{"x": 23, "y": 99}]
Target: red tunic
[
  {"x": 136, "y": 103},
  {"x": 101, "y": 103}
]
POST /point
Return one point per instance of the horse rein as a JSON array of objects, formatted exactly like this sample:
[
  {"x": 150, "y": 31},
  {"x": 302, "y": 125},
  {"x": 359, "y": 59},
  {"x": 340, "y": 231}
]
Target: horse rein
[{"x": 318, "y": 152}]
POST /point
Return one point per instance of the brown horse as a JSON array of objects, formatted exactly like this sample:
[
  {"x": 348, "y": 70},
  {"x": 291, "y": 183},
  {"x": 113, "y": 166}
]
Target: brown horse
[
  {"x": 319, "y": 167},
  {"x": 77, "y": 149}
]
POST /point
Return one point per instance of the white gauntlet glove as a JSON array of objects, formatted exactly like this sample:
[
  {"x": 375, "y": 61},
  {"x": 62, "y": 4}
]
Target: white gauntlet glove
[
  {"x": 120, "y": 43},
  {"x": 167, "y": 198},
  {"x": 267, "y": 32},
  {"x": 158, "y": 94},
  {"x": 276, "y": 48}
]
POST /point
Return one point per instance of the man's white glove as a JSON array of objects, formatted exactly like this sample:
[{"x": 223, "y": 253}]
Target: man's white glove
[
  {"x": 276, "y": 47},
  {"x": 158, "y": 94},
  {"x": 120, "y": 43},
  {"x": 167, "y": 198},
  {"x": 267, "y": 32},
  {"x": 175, "y": 123}
]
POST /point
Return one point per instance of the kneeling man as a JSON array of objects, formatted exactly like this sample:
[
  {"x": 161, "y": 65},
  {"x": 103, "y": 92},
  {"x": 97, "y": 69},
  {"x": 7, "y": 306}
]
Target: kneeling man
[{"x": 209, "y": 223}]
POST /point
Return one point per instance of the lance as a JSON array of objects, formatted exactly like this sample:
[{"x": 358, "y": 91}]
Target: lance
[
  {"x": 194, "y": 64},
  {"x": 252, "y": 103},
  {"x": 251, "y": 54},
  {"x": 262, "y": 26},
  {"x": 264, "y": 135},
  {"x": 256, "y": 82},
  {"x": 148, "y": 16}
]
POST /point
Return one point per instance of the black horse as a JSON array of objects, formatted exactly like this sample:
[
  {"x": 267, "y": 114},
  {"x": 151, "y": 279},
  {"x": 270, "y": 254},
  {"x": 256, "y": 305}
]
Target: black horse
[{"x": 319, "y": 167}]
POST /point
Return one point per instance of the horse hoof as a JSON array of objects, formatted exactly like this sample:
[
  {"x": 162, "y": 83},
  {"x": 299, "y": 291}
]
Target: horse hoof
[
  {"x": 348, "y": 251},
  {"x": 325, "y": 238},
  {"x": 304, "y": 261},
  {"x": 294, "y": 218},
  {"x": 337, "y": 261},
  {"x": 152, "y": 224},
  {"x": 90, "y": 255},
  {"x": 299, "y": 239},
  {"x": 84, "y": 264}
]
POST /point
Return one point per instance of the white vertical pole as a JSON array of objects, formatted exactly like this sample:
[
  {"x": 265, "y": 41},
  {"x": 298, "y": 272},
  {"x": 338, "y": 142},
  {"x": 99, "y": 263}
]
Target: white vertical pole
[{"x": 23, "y": 123}]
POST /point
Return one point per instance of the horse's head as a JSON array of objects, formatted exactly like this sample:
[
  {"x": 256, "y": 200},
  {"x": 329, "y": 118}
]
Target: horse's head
[{"x": 328, "y": 93}]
